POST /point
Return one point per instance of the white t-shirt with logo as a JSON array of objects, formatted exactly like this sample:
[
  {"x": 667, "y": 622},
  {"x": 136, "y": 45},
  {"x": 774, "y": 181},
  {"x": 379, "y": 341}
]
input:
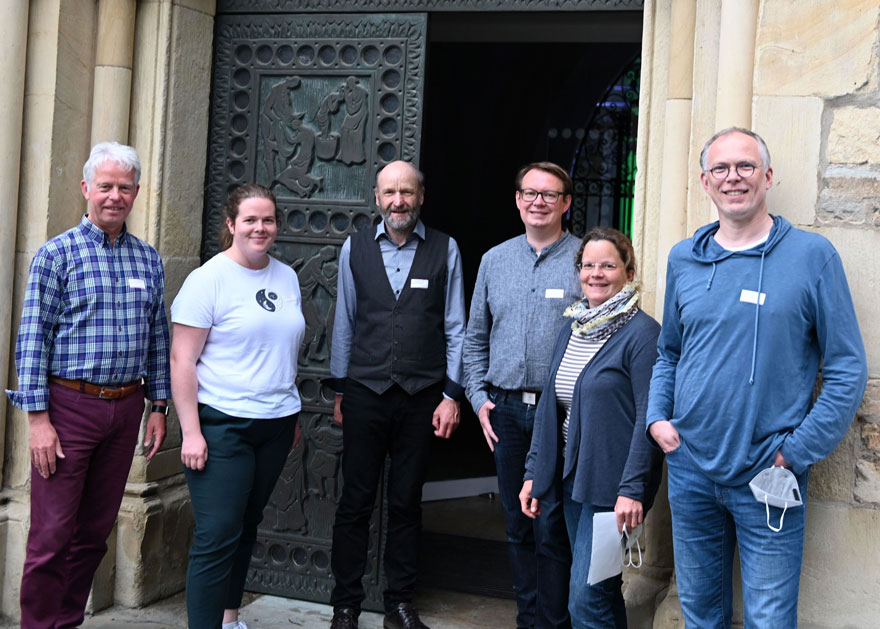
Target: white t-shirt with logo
[{"x": 248, "y": 365}]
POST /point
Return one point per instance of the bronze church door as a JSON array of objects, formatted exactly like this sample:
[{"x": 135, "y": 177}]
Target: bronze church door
[{"x": 312, "y": 106}]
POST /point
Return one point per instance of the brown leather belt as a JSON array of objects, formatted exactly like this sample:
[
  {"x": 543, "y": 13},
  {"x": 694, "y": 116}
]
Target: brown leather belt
[{"x": 105, "y": 393}]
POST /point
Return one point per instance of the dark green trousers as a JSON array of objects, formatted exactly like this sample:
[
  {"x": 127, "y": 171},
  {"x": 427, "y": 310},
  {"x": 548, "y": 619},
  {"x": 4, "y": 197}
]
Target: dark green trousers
[{"x": 245, "y": 458}]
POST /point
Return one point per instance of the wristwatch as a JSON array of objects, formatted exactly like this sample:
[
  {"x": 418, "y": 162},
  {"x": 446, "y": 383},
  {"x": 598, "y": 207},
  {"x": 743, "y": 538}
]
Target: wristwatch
[{"x": 159, "y": 408}]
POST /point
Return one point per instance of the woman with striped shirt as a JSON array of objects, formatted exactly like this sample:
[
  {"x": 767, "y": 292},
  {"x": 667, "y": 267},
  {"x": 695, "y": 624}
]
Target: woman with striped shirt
[{"x": 589, "y": 438}]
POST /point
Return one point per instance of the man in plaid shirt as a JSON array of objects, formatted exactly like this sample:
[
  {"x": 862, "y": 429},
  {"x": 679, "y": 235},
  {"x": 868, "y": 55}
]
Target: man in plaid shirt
[{"x": 92, "y": 345}]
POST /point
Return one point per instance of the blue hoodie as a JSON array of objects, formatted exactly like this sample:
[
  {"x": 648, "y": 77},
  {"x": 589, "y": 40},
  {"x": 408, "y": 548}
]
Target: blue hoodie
[{"x": 737, "y": 379}]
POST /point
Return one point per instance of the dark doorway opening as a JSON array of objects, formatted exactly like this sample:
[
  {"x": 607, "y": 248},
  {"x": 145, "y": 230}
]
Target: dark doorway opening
[{"x": 499, "y": 93}]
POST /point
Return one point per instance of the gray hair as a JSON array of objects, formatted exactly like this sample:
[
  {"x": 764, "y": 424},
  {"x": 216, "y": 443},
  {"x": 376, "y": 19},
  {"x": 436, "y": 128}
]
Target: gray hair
[
  {"x": 762, "y": 146},
  {"x": 125, "y": 156}
]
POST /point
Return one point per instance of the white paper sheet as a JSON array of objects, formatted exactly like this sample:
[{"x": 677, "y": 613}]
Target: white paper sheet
[{"x": 605, "y": 557}]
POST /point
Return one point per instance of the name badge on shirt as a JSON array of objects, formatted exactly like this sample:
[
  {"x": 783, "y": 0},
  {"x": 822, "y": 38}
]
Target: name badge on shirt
[
  {"x": 751, "y": 296},
  {"x": 414, "y": 283},
  {"x": 136, "y": 282},
  {"x": 554, "y": 293}
]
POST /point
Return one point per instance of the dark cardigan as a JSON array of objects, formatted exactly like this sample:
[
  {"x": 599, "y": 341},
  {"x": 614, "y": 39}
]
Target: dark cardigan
[{"x": 607, "y": 451}]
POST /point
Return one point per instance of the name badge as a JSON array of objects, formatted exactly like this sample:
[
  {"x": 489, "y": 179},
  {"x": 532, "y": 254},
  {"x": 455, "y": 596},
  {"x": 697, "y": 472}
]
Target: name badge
[
  {"x": 414, "y": 283},
  {"x": 136, "y": 282},
  {"x": 554, "y": 293},
  {"x": 751, "y": 296}
]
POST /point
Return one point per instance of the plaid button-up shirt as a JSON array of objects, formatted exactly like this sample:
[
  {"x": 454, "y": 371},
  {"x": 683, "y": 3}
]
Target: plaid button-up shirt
[{"x": 94, "y": 311}]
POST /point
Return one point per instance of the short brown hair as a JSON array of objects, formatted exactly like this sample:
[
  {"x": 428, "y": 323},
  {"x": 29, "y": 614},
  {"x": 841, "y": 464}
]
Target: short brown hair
[
  {"x": 247, "y": 191},
  {"x": 548, "y": 167},
  {"x": 618, "y": 239}
]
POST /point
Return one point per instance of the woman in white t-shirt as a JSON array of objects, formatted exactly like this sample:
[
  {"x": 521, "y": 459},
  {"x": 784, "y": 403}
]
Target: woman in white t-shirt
[{"x": 238, "y": 327}]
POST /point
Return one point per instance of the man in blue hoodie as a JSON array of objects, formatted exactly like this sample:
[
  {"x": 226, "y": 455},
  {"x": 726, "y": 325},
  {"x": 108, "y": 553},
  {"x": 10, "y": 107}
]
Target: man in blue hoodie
[{"x": 753, "y": 306}]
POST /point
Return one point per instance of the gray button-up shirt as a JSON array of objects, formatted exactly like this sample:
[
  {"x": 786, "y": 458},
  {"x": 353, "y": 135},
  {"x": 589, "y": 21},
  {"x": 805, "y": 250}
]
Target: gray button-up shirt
[{"x": 516, "y": 313}]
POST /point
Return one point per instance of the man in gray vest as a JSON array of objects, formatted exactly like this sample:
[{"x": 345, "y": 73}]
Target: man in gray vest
[
  {"x": 523, "y": 286},
  {"x": 396, "y": 363}
]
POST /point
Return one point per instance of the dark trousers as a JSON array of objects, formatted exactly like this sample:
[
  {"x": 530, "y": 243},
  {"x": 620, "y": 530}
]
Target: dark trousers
[
  {"x": 73, "y": 511},
  {"x": 373, "y": 425},
  {"x": 540, "y": 557},
  {"x": 245, "y": 458}
]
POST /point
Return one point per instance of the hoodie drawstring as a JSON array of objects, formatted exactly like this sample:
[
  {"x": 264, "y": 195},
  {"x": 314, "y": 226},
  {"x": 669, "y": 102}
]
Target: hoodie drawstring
[
  {"x": 757, "y": 310},
  {"x": 711, "y": 277}
]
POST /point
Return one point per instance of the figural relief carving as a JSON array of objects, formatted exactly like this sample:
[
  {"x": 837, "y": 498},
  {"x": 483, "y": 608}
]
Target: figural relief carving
[{"x": 294, "y": 135}]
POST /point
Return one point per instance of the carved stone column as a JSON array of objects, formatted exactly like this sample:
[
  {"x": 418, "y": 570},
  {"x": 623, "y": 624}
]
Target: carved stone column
[
  {"x": 676, "y": 138},
  {"x": 13, "y": 49},
  {"x": 113, "y": 61},
  {"x": 47, "y": 56},
  {"x": 662, "y": 226},
  {"x": 736, "y": 61}
]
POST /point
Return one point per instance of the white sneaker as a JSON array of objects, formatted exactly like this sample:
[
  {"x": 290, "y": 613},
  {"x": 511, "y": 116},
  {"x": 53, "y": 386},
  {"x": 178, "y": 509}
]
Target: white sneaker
[{"x": 234, "y": 625}]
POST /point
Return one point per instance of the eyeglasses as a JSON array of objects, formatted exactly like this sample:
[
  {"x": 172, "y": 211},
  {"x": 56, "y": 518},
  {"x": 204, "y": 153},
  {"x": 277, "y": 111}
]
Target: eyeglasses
[
  {"x": 550, "y": 196},
  {"x": 589, "y": 266},
  {"x": 744, "y": 170}
]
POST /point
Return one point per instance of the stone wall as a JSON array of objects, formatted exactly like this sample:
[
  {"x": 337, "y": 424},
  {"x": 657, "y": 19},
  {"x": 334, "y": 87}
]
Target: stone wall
[
  {"x": 813, "y": 95},
  {"x": 817, "y": 69},
  {"x": 138, "y": 72}
]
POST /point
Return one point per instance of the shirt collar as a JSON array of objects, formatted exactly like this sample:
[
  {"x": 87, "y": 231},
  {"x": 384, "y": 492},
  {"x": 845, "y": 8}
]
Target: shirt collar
[
  {"x": 418, "y": 231},
  {"x": 98, "y": 235},
  {"x": 549, "y": 248}
]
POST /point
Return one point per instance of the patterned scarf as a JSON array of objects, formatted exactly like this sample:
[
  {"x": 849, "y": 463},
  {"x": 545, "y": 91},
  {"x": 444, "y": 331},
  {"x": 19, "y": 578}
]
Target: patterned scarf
[{"x": 599, "y": 323}]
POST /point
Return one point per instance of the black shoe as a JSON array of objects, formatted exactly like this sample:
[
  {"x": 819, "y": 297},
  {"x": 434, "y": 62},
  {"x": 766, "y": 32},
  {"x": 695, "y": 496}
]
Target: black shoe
[
  {"x": 404, "y": 616},
  {"x": 344, "y": 618}
]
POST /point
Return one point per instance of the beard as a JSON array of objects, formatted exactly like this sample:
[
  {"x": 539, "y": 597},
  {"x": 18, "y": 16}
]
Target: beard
[{"x": 402, "y": 223}]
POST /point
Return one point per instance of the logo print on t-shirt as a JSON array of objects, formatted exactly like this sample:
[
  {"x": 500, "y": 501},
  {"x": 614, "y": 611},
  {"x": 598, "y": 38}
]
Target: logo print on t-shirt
[{"x": 268, "y": 300}]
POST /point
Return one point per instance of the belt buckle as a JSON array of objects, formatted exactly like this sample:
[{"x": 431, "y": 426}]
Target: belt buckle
[
  {"x": 528, "y": 397},
  {"x": 109, "y": 396}
]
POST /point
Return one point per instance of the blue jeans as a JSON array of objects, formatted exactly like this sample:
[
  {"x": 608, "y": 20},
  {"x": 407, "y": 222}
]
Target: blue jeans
[
  {"x": 707, "y": 522},
  {"x": 601, "y": 604},
  {"x": 539, "y": 554}
]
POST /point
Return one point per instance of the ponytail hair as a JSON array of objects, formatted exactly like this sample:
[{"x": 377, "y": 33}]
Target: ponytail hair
[{"x": 247, "y": 191}]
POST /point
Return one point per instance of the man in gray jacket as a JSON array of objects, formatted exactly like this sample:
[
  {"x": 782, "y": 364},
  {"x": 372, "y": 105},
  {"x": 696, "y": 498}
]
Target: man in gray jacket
[{"x": 523, "y": 286}]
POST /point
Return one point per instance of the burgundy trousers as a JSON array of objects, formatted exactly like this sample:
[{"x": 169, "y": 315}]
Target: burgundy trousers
[{"x": 73, "y": 511}]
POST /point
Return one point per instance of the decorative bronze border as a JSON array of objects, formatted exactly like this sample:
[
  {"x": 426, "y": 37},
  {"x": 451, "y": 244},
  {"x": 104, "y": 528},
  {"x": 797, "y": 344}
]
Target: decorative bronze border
[{"x": 352, "y": 6}]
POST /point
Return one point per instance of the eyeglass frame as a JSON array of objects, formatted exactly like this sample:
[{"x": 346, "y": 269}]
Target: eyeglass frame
[
  {"x": 606, "y": 267},
  {"x": 541, "y": 193},
  {"x": 736, "y": 167}
]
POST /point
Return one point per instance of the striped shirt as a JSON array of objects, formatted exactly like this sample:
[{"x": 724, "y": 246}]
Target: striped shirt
[
  {"x": 94, "y": 311},
  {"x": 578, "y": 353}
]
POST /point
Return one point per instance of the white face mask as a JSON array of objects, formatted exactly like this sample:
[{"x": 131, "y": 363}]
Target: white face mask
[
  {"x": 628, "y": 539},
  {"x": 776, "y": 486}
]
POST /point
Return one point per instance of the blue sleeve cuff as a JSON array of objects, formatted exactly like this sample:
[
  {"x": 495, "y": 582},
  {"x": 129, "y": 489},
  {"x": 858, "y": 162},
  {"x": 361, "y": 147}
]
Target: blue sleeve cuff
[
  {"x": 479, "y": 398},
  {"x": 792, "y": 457},
  {"x": 158, "y": 389},
  {"x": 36, "y": 400}
]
